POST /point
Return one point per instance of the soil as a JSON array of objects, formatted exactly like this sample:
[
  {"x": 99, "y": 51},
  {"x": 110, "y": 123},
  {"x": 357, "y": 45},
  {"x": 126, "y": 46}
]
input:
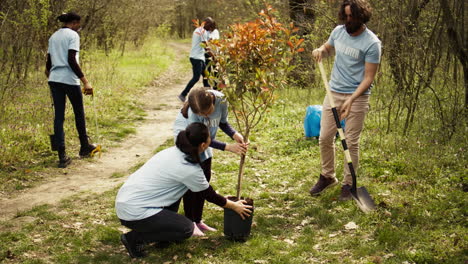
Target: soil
[
  {"x": 248, "y": 201},
  {"x": 161, "y": 106}
]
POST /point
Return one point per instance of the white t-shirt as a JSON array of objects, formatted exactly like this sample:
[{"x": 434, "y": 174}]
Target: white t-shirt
[
  {"x": 162, "y": 181},
  {"x": 352, "y": 52},
  {"x": 199, "y": 35},
  {"x": 214, "y": 34},
  {"x": 60, "y": 42}
]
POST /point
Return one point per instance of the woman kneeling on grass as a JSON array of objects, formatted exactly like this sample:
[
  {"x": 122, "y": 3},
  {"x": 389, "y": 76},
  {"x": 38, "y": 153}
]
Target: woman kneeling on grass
[{"x": 148, "y": 201}]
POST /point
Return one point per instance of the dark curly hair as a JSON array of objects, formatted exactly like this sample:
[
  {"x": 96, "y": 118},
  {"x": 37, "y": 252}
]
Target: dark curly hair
[
  {"x": 360, "y": 9},
  {"x": 69, "y": 17}
]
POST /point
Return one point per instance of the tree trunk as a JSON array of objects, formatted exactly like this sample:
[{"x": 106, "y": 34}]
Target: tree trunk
[
  {"x": 456, "y": 41},
  {"x": 241, "y": 165},
  {"x": 301, "y": 15}
]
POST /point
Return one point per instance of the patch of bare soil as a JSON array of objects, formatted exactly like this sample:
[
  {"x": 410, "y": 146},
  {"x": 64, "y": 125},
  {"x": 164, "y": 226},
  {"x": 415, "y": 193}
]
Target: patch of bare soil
[{"x": 161, "y": 106}]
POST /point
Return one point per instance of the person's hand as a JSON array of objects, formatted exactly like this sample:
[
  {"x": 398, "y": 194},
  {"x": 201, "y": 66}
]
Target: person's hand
[
  {"x": 346, "y": 108},
  {"x": 238, "y": 138},
  {"x": 238, "y": 148},
  {"x": 88, "y": 89},
  {"x": 317, "y": 54},
  {"x": 242, "y": 208}
]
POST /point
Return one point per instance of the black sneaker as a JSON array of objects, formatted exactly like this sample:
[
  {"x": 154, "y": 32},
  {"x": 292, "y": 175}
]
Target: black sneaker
[
  {"x": 64, "y": 160},
  {"x": 322, "y": 184},
  {"x": 345, "y": 193},
  {"x": 63, "y": 163},
  {"x": 134, "y": 250},
  {"x": 85, "y": 151}
]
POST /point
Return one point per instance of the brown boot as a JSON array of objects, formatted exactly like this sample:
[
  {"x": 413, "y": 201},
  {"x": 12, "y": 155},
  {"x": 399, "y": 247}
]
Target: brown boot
[
  {"x": 322, "y": 184},
  {"x": 345, "y": 193}
]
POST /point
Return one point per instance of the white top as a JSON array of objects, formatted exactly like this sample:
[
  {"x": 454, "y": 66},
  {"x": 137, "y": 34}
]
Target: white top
[
  {"x": 214, "y": 34},
  {"x": 199, "y": 36},
  {"x": 162, "y": 181},
  {"x": 60, "y": 42}
]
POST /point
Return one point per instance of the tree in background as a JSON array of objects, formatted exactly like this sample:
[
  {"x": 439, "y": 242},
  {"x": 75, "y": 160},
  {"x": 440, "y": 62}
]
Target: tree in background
[{"x": 254, "y": 59}]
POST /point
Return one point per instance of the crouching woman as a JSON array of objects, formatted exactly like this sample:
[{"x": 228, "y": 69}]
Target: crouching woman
[{"x": 148, "y": 201}]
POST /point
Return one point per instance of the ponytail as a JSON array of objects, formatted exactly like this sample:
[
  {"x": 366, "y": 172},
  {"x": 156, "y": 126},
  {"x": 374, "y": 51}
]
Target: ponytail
[
  {"x": 190, "y": 139},
  {"x": 69, "y": 17},
  {"x": 199, "y": 100}
]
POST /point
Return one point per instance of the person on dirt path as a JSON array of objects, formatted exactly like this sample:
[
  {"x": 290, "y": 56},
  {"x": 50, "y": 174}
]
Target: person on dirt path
[
  {"x": 148, "y": 201},
  {"x": 210, "y": 57},
  {"x": 64, "y": 75},
  {"x": 357, "y": 56},
  {"x": 197, "y": 55},
  {"x": 209, "y": 107}
]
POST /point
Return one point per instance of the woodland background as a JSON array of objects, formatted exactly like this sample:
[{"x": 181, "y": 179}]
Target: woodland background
[
  {"x": 424, "y": 68},
  {"x": 413, "y": 158}
]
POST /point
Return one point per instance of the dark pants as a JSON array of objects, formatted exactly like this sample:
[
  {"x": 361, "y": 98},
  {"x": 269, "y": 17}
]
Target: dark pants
[
  {"x": 165, "y": 226},
  {"x": 193, "y": 202},
  {"x": 59, "y": 93},
  {"x": 198, "y": 68}
]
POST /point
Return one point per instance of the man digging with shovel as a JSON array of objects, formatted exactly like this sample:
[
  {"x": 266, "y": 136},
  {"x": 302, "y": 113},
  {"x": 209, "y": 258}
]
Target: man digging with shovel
[{"x": 358, "y": 52}]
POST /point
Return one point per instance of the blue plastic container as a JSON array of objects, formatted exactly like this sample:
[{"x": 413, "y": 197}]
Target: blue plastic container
[{"x": 312, "y": 121}]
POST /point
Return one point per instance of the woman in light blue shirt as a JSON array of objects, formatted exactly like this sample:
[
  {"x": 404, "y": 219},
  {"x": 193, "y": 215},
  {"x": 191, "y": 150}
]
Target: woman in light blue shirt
[
  {"x": 64, "y": 74},
  {"x": 148, "y": 201}
]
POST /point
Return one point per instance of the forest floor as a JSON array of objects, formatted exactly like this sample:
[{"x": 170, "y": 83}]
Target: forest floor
[{"x": 160, "y": 104}]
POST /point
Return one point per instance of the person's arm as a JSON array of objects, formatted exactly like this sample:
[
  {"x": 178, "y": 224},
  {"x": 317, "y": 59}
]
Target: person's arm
[
  {"x": 239, "y": 207},
  {"x": 216, "y": 144},
  {"x": 88, "y": 89},
  {"x": 370, "y": 69},
  {"x": 326, "y": 50},
  {"x": 227, "y": 129},
  {"x": 48, "y": 65}
]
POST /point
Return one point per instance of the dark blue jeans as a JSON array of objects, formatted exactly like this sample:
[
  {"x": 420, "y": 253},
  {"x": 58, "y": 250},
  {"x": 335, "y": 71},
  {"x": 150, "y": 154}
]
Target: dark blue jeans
[
  {"x": 198, "y": 68},
  {"x": 165, "y": 226},
  {"x": 59, "y": 93}
]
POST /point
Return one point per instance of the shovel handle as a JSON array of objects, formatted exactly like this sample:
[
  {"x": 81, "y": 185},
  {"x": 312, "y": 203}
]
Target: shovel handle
[{"x": 338, "y": 125}]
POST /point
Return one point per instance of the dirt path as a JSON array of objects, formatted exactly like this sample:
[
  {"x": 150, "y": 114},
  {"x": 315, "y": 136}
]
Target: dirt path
[{"x": 161, "y": 106}]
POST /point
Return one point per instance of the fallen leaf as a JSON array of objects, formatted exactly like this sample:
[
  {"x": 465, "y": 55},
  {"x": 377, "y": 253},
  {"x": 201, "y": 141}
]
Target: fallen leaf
[
  {"x": 189, "y": 255},
  {"x": 333, "y": 235},
  {"x": 289, "y": 241}
]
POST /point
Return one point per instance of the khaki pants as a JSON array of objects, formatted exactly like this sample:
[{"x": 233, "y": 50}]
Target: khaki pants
[{"x": 353, "y": 128}]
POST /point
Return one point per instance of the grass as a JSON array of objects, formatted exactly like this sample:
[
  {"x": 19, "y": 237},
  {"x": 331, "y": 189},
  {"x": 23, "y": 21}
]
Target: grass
[
  {"x": 419, "y": 187},
  {"x": 26, "y": 119}
]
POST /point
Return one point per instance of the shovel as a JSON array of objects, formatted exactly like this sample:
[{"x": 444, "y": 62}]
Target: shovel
[{"x": 360, "y": 195}]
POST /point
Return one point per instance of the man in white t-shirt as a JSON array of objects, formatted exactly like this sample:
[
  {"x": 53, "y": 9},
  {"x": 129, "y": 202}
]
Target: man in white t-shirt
[
  {"x": 357, "y": 58},
  {"x": 197, "y": 55}
]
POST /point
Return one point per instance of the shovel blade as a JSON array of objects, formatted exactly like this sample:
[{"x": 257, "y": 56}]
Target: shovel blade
[{"x": 363, "y": 200}]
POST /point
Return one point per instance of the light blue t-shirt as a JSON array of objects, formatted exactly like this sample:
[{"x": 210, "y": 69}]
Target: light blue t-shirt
[
  {"x": 219, "y": 115},
  {"x": 162, "y": 181},
  {"x": 199, "y": 35},
  {"x": 60, "y": 42},
  {"x": 352, "y": 52}
]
